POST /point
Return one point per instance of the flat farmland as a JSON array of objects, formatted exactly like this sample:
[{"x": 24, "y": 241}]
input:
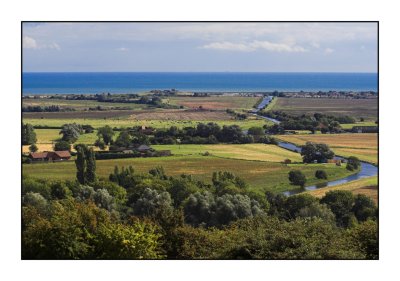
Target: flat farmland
[
  {"x": 256, "y": 152},
  {"x": 215, "y": 102},
  {"x": 80, "y": 105},
  {"x": 181, "y": 115},
  {"x": 363, "y": 146},
  {"x": 366, "y": 108},
  {"x": 125, "y": 122},
  {"x": 79, "y": 114},
  {"x": 261, "y": 176},
  {"x": 366, "y": 186}
]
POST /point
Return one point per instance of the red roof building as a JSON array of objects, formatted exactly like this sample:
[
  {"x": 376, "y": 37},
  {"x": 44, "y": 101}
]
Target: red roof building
[{"x": 50, "y": 156}]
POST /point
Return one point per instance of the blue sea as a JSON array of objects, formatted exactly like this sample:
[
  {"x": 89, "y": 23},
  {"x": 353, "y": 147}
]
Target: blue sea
[{"x": 134, "y": 82}]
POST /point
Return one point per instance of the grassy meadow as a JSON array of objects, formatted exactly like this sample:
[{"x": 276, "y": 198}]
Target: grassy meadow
[
  {"x": 256, "y": 152},
  {"x": 260, "y": 175},
  {"x": 363, "y": 146},
  {"x": 124, "y": 123}
]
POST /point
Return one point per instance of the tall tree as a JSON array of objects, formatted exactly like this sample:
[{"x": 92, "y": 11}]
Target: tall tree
[
  {"x": 106, "y": 133},
  {"x": 90, "y": 166},
  {"x": 28, "y": 134},
  {"x": 80, "y": 165}
]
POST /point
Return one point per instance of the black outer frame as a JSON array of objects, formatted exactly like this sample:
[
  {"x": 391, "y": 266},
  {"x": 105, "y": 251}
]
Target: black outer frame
[{"x": 312, "y": 21}]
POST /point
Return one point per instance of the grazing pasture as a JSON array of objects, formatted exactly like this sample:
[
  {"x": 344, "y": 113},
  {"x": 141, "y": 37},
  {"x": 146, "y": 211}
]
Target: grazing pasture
[
  {"x": 257, "y": 151},
  {"x": 363, "y": 146},
  {"x": 366, "y": 108},
  {"x": 261, "y": 176},
  {"x": 366, "y": 186}
]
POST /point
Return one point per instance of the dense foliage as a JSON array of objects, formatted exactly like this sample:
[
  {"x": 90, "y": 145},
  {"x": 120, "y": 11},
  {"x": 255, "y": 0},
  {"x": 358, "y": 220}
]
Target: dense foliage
[
  {"x": 317, "y": 121},
  {"x": 151, "y": 215},
  {"x": 316, "y": 152},
  {"x": 28, "y": 134}
]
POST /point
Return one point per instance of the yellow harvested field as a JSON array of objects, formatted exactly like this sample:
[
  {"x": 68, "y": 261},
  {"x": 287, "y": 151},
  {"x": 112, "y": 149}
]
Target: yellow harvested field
[
  {"x": 181, "y": 115},
  {"x": 363, "y": 146},
  {"x": 366, "y": 186},
  {"x": 41, "y": 147}
]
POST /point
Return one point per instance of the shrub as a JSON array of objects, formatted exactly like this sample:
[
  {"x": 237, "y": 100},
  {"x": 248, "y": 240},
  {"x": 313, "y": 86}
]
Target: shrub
[
  {"x": 321, "y": 174},
  {"x": 62, "y": 145},
  {"x": 297, "y": 177},
  {"x": 353, "y": 163}
]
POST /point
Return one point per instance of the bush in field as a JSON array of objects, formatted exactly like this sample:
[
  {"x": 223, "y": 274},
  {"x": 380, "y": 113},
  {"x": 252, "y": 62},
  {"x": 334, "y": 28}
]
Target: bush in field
[
  {"x": 321, "y": 174},
  {"x": 33, "y": 148},
  {"x": 71, "y": 132},
  {"x": 62, "y": 145},
  {"x": 353, "y": 163},
  {"x": 100, "y": 144},
  {"x": 297, "y": 177},
  {"x": 256, "y": 131}
]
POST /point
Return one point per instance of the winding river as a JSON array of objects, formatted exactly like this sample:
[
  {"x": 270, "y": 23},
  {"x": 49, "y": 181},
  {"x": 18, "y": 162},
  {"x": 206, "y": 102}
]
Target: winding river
[{"x": 367, "y": 169}]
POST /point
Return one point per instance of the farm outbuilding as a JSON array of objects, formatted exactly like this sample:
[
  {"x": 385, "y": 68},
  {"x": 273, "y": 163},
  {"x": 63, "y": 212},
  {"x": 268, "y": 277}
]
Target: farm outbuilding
[{"x": 50, "y": 156}]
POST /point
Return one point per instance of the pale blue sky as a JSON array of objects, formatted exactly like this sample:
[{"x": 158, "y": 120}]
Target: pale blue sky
[{"x": 200, "y": 47}]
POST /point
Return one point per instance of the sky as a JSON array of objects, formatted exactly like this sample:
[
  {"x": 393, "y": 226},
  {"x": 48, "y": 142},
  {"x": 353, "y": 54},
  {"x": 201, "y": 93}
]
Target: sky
[{"x": 199, "y": 47}]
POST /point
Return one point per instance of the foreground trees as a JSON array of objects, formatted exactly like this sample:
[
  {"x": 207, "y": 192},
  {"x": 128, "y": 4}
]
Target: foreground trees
[
  {"x": 151, "y": 215},
  {"x": 72, "y": 230}
]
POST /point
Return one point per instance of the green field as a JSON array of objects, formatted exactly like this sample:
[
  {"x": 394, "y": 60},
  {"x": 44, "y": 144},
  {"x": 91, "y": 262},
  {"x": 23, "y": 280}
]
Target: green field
[
  {"x": 261, "y": 176},
  {"x": 123, "y": 123},
  {"x": 357, "y": 108},
  {"x": 362, "y": 124},
  {"x": 257, "y": 152}
]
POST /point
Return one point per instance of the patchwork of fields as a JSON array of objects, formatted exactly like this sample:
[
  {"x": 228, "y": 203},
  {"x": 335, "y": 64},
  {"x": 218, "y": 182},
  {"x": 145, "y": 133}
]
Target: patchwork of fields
[
  {"x": 363, "y": 146},
  {"x": 357, "y": 108}
]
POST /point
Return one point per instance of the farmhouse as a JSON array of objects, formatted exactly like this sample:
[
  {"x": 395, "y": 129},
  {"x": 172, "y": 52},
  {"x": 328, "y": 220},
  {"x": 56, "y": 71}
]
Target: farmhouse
[{"x": 50, "y": 156}]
